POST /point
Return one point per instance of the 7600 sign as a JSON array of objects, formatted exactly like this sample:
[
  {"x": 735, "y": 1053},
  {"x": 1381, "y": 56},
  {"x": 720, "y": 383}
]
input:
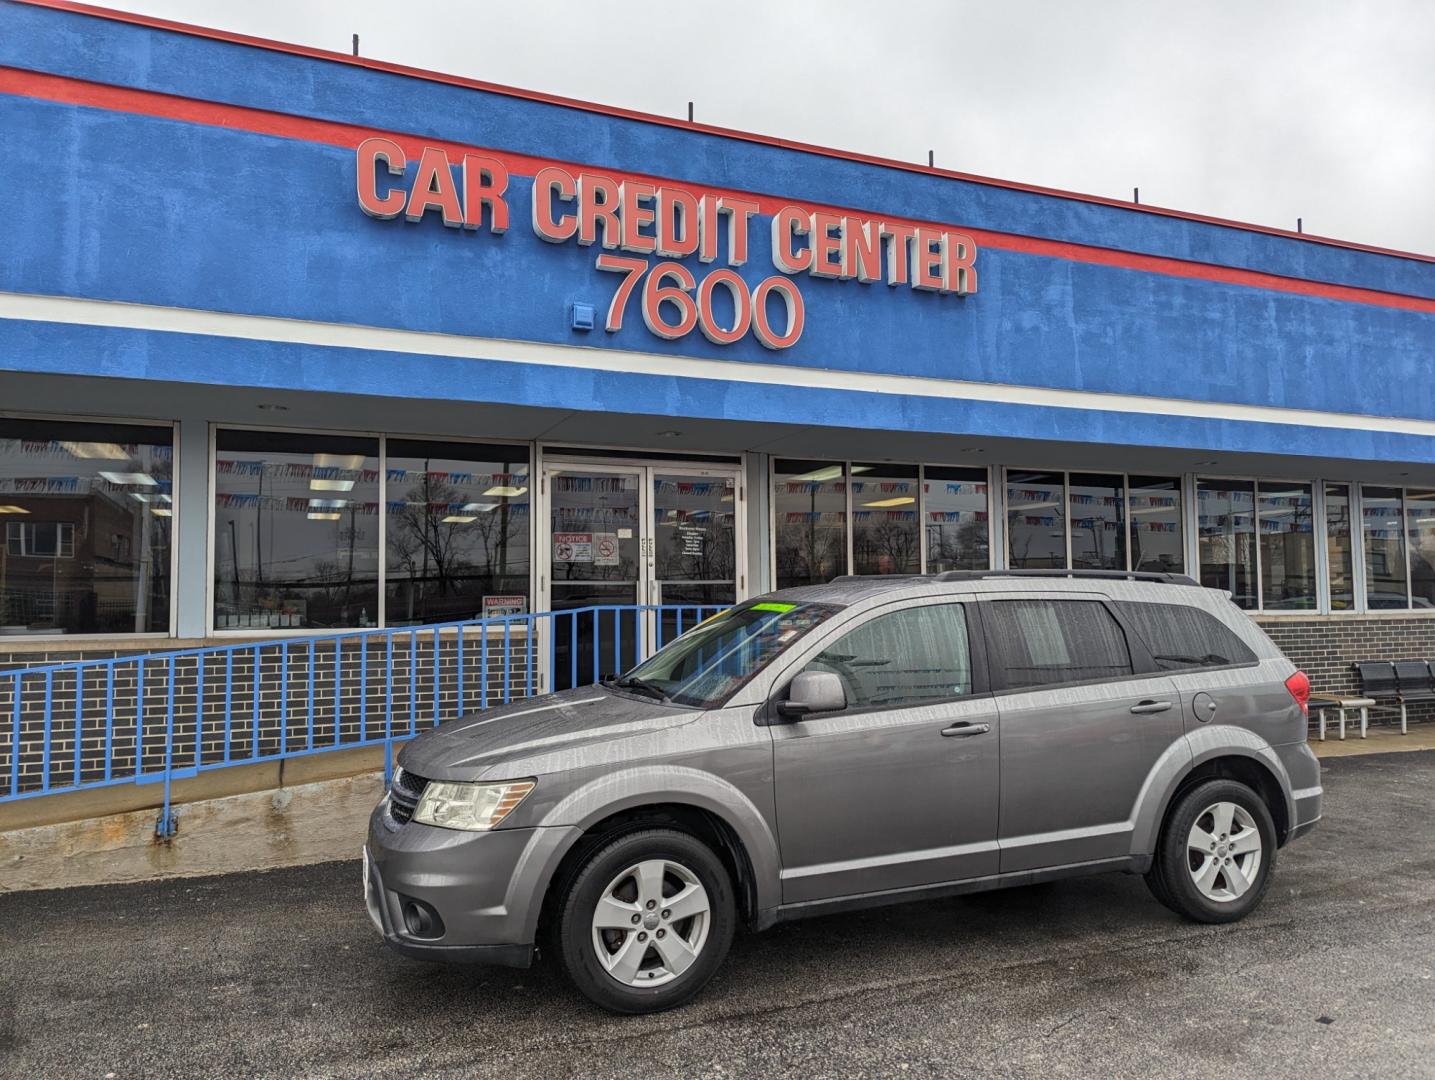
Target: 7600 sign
[{"x": 674, "y": 302}]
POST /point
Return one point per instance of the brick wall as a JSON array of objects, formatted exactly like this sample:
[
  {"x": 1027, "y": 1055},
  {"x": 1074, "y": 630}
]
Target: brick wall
[
  {"x": 219, "y": 710},
  {"x": 1326, "y": 648}
]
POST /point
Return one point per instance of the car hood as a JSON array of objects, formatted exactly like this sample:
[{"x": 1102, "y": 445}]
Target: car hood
[{"x": 461, "y": 749}]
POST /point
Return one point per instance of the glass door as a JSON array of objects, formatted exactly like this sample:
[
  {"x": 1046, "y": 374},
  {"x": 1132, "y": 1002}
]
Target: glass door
[
  {"x": 595, "y": 547},
  {"x": 695, "y": 547},
  {"x": 626, "y": 536}
]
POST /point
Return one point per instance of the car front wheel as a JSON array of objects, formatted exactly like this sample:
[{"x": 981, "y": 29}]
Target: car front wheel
[
  {"x": 1216, "y": 854},
  {"x": 646, "y": 921}
]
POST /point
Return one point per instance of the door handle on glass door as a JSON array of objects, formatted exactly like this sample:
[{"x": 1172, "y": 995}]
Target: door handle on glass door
[
  {"x": 1150, "y": 707},
  {"x": 965, "y": 728}
]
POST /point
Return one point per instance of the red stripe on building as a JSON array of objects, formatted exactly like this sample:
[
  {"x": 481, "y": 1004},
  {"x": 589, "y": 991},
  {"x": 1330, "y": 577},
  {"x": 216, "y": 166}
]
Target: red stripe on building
[
  {"x": 330, "y": 56},
  {"x": 65, "y": 90}
]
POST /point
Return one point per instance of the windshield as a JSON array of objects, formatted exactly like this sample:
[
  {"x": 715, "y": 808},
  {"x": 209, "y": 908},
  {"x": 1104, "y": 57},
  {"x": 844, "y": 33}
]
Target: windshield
[{"x": 711, "y": 661}]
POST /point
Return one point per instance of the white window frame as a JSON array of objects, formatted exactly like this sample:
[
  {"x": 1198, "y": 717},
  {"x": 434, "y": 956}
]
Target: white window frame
[
  {"x": 1183, "y": 506},
  {"x": 995, "y": 557},
  {"x": 382, "y": 438},
  {"x": 173, "y": 427}
]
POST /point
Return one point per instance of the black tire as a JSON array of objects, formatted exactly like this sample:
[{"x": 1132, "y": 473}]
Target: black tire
[
  {"x": 1170, "y": 877},
  {"x": 574, "y": 932}
]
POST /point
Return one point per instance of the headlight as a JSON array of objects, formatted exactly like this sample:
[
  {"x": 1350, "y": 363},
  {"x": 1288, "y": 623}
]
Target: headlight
[{"x": 475, "y": 807}]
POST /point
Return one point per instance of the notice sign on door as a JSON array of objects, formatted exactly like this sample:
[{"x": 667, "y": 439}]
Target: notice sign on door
[
  {"x": 572, "y": 547},
  {"x": 691, "y": 537},
  {"x": 605, "y": 549},
  {"x": 496, "y": 606}
]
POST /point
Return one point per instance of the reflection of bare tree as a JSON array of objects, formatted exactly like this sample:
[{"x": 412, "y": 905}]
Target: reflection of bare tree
[
  {"x": 440, "y": 558},
  {"x": 963, "y": 546},
  {"x": 810, "y": 553},
  {"x": 892, "y": 547}
]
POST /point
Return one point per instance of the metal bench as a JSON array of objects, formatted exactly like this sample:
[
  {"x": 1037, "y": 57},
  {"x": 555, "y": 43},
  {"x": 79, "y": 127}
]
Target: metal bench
[
  {"x": 1404, "y": 682},
  {"x": 1416, "y": 685}
]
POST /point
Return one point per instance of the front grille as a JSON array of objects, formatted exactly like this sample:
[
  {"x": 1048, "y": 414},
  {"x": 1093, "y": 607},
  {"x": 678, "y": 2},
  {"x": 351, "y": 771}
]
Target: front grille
[
  {"x": 411, "y": 783},
  {"x": 404, "y": 794}
]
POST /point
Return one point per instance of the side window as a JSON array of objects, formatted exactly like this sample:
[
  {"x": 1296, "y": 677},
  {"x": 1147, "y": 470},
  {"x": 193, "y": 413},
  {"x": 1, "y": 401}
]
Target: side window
[
  {"x": 1183, "y": 637},
  {"x": 908, "y": 657},
  {"x": 1040, "y": 642}
]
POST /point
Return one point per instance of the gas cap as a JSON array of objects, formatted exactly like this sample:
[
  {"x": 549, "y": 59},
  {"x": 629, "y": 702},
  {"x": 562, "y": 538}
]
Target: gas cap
[{"x": 1203, "y": 705}]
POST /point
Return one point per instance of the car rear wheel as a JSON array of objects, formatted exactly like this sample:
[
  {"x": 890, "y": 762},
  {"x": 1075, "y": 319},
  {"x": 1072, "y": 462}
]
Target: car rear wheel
[
  {"x": 1216, "y": 854},
  {"x": 646, "y": 921}
]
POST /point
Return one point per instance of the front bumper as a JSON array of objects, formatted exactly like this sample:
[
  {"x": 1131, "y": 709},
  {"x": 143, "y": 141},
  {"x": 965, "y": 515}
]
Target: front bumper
[{"x": 478, "y": 892}]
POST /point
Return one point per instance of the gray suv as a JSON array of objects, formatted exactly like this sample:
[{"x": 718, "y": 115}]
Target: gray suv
[{"x": 833, "y": 747}]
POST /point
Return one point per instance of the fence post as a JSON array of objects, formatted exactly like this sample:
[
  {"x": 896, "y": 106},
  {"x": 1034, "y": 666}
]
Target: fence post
[{"x": 165, "y": 825}]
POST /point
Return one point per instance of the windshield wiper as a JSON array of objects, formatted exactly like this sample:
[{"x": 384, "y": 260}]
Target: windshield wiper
[{"x": 633, "y": 682}]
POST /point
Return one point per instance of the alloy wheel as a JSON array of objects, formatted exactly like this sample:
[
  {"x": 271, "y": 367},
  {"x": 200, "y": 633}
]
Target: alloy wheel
[
  {"x": 651, "y": 922},
  {"x": 1223, "y": 852}
]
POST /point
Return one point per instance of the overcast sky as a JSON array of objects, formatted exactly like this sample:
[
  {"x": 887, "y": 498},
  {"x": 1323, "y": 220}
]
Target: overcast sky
[{"x": 1258, "y": 110}]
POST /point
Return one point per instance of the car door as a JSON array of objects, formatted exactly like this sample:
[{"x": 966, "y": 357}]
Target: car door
[
  {"x": 899, "y": 789},
  {"x": 1084, "y": 719}
]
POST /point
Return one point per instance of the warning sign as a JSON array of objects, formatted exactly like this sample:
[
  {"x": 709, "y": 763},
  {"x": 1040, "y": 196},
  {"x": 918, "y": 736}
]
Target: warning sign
[
  {"x": 572, "y": 547},
  {"x": 605, "y": 549}
]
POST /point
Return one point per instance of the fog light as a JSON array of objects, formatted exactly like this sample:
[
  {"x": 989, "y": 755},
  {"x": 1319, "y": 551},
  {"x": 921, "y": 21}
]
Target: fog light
[{"x": 420, "y": 920}]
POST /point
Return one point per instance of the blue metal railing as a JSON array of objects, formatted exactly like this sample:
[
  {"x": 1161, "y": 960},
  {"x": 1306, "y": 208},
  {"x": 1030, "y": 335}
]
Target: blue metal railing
[{"x": 163, "y": 716}]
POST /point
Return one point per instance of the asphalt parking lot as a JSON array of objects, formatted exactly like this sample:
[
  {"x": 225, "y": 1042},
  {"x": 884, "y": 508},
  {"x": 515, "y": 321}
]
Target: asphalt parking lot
[{"x": 281, "y": 974}]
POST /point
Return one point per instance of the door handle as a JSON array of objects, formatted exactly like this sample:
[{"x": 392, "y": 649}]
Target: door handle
[
  {"x": 964, "y": 728},
  {"x": 1150, "y": 707}
]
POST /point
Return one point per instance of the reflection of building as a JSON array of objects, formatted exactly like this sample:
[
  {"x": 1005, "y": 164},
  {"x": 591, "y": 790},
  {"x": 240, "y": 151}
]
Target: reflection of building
[
  {"x": 384, "y": 421},
  {"x": 84, "y": 533}
]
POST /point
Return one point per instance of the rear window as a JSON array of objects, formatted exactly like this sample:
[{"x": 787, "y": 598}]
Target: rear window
[
  {"x": 1182, "y": 637},
  {"x": 1043, "y": 642}
]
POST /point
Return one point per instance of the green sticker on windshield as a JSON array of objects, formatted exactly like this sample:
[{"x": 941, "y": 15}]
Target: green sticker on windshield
[{"x": 773, "y": 607}]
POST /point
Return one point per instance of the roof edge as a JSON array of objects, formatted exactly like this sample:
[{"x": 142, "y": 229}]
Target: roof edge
[{"x": 386, "y": 67}]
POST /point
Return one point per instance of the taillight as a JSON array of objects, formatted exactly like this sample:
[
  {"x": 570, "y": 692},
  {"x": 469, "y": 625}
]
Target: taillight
[{"x": 1299, "y": 687}]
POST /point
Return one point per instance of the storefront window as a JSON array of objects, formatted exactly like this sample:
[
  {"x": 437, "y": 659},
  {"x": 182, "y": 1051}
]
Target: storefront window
[
  {"x": 1420, "y": 527},
  {"x": 809, "y": 506},
  {"x": 1338, "y": 548},
  {"x": 885, "y": 534},
  {"x": 1384, "y": 538},
  {"x": 1226, "y": 518},
  {"x": 85, "y": 512},
  {"x": 1036, "y": 520},
  {"x": 296, "y": 531},
  {"x": 1098, "y": 521},
  {"x": 457, "y": 536},
  {"x": 957, "y": 522},
  {"x": 1157, "y": 544},
  {"x": 1287, "y": 546}
]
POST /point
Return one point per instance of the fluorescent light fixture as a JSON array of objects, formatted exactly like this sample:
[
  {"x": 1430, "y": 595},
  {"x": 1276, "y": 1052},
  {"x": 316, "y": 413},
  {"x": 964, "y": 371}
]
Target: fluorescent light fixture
[
  {"x": 457, "y": 519},
  {"x": 97, "y": 451},
  {"x": 331, "y": 485},
  {"x": 479, "y": 508},
  {"x": 818, "y": 476},
  {"x": 324, "y": 517},
  {"x": 160, "y": 511},
  {"x": 131, "y": 479},
  {"x": 901, "y": 500},
  {"x": 328, "y": 504},
  {"x": 13, "y": 510},
  {"x": 338, "y": 461},
  {"x": 504, "y": 492}
]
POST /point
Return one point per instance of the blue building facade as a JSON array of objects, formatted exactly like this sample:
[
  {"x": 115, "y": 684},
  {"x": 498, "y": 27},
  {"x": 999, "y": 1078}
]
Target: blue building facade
[{"x": 292, "y": 340}]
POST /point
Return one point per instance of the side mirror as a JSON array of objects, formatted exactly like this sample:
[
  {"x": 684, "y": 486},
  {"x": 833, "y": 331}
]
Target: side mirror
[{"x": 813, "y": 692}]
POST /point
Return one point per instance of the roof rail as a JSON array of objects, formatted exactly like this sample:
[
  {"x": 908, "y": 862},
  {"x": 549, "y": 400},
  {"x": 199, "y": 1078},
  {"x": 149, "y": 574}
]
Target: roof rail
[
  {"x": 1099, "y": 575},
  {"x": 880, "y": 577}
]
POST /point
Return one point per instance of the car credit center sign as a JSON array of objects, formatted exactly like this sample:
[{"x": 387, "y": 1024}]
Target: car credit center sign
[{"x": 647, "y": 219}]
